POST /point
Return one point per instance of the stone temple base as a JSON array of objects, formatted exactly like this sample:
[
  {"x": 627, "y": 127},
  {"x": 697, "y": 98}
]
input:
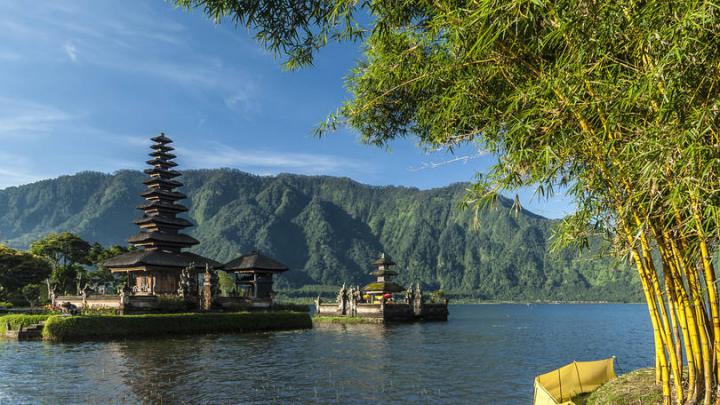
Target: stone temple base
[{"x": 386, "y": 312}]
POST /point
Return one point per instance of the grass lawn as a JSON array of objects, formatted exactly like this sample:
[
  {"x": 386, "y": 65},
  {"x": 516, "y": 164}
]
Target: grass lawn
[{"x": 634, "y": 388}]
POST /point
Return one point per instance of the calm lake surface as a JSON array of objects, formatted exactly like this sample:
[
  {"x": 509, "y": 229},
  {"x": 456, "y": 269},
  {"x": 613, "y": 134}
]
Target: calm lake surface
[{"x": 485, "y": 354}]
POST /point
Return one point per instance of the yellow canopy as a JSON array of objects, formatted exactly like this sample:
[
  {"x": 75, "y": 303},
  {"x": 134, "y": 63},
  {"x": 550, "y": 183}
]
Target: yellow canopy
[{"x": 558, "y": 387}]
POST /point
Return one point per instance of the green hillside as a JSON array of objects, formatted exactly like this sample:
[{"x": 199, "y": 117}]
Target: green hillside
[{"x": 327, "y": 230}]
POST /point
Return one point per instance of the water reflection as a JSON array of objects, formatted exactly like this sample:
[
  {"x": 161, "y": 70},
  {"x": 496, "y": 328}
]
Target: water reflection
[{"x": 484, "y": 354}]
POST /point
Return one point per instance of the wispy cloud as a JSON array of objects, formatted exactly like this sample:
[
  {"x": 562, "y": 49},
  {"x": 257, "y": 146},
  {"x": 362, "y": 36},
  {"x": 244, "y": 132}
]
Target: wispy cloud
[
  {"x": 70, "y": 51},
  {"x": 9, "y": 56},
  {"x": 22, "y": 117},
  {"x": 215, "y": 155},
  {"x": 137, "y": 42},
  {"x": 16, "y": 170}
]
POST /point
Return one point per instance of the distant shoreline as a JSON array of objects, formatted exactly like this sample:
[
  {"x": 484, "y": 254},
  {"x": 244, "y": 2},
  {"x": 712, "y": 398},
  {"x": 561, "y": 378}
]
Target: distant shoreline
[{"x": 311, "y": 301}]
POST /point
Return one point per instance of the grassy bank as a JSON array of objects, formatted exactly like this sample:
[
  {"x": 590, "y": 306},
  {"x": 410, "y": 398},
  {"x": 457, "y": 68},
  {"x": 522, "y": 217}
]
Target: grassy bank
[
  {"x": 637, "y": 387},
  {"x": 100, "y": 327},
  {"x": 16, "y": 321},
  {"x": 345, "y": 319}
]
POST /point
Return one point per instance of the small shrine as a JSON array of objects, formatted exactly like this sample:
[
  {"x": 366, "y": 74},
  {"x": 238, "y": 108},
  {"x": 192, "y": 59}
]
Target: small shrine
[
  {"x": 253, "y": 275},
  {"x": 384, "y": 300}
]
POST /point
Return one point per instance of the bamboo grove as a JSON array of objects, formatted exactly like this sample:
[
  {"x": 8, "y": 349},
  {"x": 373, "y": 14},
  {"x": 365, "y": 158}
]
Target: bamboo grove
[{"x": 615, "y": 102}]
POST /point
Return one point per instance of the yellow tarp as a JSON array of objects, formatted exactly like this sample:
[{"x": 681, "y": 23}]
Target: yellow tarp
[{"x": 559, "y": 386}]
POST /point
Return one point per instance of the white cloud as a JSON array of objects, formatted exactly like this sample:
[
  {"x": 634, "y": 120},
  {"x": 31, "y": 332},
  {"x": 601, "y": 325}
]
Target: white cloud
[
  {"x": 16, "y": 170},
  {"x": 268, "y": 161},
  {"x": 8, "y": 56},
  {"x": 71, "y": 51},
  {"x": 22, "y": 117},
  {"x": 137, "y": 41}
]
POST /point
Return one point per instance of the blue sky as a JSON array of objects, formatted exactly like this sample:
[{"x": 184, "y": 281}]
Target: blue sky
[{"x": 85, "y": 83}]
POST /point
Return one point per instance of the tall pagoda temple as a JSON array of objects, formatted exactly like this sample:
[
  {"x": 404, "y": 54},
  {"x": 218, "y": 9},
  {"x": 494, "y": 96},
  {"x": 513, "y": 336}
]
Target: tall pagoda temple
[{"x": 155, "y": 268}]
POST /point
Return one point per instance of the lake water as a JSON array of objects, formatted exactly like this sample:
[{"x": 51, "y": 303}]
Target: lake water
[{"x": 485, "y": 354}]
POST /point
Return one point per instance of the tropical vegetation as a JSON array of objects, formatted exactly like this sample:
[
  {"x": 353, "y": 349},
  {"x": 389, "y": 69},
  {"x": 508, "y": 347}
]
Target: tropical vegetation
[
  {"x": 62, "y": 263},
  {"x": 614, "y": 102}
]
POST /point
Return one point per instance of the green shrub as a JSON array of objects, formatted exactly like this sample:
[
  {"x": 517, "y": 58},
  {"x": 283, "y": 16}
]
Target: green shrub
[
  {"x": 5, "y": 304},
  {"x": 171, "y": 303},
  {"x": 291, "y": 307},
  {"x": 60, "y": 328},
  {"x": 16, "y": 321},
  {"x": 99, "y": 311},
  {"x": 437, "y": 296}
]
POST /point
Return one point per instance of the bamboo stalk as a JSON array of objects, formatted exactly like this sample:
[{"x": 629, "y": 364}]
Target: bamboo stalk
[{"x": 668, "y": 341}]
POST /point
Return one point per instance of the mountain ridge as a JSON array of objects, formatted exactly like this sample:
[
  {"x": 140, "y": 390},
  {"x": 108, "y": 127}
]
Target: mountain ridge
[{"x": 328, "y": 230}]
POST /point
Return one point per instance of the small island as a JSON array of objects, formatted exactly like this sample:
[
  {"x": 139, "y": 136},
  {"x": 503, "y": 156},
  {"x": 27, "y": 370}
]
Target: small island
[
  {"x": 381, "y": 301},
  {"x": 160, "y": 275}
]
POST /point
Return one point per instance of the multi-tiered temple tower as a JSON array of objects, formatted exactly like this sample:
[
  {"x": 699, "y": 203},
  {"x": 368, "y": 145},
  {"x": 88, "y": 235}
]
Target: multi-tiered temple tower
[
  {"x": 384, "y": 283},
  {"x": 155, "y": 268}
]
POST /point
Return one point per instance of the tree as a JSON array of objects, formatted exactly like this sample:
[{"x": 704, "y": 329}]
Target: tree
[
  {"x": 19, "y": 269},
  {"x": 97, "y": 255},
  {"x": 31, "y": 293},
  {"x": 614, "y": 101},
  {"x": 68, "y": 254}
]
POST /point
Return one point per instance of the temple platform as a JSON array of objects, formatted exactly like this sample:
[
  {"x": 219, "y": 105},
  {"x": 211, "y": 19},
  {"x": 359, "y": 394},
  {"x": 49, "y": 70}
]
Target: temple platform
[{"x": 385, "y": 312}]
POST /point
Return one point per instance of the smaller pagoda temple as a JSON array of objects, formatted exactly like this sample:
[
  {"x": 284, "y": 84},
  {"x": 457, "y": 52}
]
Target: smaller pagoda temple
[
  {"x": 384, "y": 284},
  {"x": 156, "y": 266}
]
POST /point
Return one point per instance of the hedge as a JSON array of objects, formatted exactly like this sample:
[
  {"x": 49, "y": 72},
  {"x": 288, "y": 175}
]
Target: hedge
[
  {"x": 16, "y": 321},
  {"x": 291, "y": 307},
  {"x": 98, "y": 327},
  {"x": 345, "y": 319}
]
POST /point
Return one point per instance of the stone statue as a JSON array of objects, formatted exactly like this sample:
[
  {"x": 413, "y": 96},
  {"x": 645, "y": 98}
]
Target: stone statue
[
  {"x": 340, "y": 294},
  {"x": 53, "y": 295},
  {"x": 207, "y": 289},
  {"x": 409, "y": 296},
  {"x": 358, "y": 294},
  {"x": 418, "y": 293},
  {"x": 215, "y": 281},
  {"x": 342, "y": 300},
  {"x": 352, "y": 297},
  {"x": 185, "y": 284},
  {"x": 418, "y": 303}
]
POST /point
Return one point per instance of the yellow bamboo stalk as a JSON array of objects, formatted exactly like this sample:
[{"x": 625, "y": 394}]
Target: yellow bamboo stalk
[
  {"x": 669, "y": 344},
  {"x": 661, "y": 367},
  {"x": 700, "y": 315},
  {"x": 709, "y": 273},
  {"x": 694, "y": 322},
  {"x": 686, "y": 315},
  {"x": 702, "y": 327},
  {"x": 673, "y": 313}
]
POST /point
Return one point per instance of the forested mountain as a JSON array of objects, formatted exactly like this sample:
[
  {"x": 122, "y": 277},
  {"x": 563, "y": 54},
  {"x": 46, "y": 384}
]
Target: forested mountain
[{"x": 328, "y": 230}]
